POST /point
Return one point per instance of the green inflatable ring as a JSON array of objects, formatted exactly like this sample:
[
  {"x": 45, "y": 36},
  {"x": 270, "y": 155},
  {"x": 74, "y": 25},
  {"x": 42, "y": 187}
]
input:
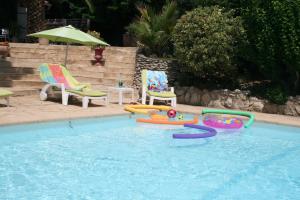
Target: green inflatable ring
[{"x": 233, "y": 112}]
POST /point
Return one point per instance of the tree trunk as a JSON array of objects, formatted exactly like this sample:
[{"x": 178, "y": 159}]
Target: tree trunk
[{"x": 35, "y": 16}]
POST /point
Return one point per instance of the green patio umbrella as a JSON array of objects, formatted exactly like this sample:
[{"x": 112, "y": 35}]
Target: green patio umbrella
[{"x": 69, "y": 34}]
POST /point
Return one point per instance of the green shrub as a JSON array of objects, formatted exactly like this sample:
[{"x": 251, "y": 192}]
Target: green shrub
[
  {"x": 153, "y": 30},
  {"x": 206, "y": 41},
  {"x": 276, "y": 95},
  {"x": 273, "y": 30},
  {"x": 274, "y": 92}
]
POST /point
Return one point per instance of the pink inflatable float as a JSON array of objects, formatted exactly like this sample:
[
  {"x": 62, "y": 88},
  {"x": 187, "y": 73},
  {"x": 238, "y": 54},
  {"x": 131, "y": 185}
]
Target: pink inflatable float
[{"x": 222, "y": 122}]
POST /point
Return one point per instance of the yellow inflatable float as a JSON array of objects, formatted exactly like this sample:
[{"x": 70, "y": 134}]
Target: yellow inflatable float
[{"x": 146, "y": 109}]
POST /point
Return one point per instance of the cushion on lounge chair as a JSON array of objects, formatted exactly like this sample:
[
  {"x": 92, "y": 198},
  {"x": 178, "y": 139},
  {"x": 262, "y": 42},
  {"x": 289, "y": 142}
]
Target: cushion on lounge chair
[
  {"x": 163, "y": 94},
  {"x": 90, "y": 93},
  {"x": 157, "y": 81},
  {"x": 57, "y": 74},
  {"x": 5, "y": 93}
]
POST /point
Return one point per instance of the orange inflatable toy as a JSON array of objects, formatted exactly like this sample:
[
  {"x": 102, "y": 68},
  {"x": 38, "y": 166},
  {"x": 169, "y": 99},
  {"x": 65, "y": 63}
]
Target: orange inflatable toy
[{"x": 164, "y": 120}]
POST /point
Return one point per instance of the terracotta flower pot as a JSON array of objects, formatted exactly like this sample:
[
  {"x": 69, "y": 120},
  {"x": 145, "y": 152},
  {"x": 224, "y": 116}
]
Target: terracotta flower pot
[{"x": 99, "y": 54}]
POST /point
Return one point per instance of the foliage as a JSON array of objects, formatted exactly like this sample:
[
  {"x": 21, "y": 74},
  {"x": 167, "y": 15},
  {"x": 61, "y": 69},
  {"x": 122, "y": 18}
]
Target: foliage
[
  {"x": 95, "y": 34},
  {"x": 273, "y": 29},
  {"x": 73, "y": 8},
  {"x": 206, "y": 42},
  {"x": 90, "y": 4},
  {"x": 276, "y": 94},
  {"x": 153, "y": 30}
]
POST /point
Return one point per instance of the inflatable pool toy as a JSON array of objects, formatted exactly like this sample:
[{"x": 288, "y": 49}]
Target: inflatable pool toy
[
  {"x": 171, "y": 113},
  {"x": 210, "y": 132},
  {"x": 159, "y": 117},
  {"x": 145, "y": 109},
  {"x": 170, "y": 122},
  {"x": 227, "y": 122},
  {"x": 217, "y": 121},
  {"x": 180, "y": 117}
]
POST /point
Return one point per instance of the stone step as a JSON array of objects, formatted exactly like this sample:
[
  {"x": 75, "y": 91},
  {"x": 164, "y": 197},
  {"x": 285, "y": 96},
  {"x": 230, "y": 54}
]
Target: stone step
[
  {"x": 120, "y": 70},
  {"x": 42, "y": 52},
  {"x": 102, "y": 69},
  {"x": 5, "y": 63},
  {"x": 119, "y": 65},
  {"x": 51, "y": 50},
  {"x": 87, "y": 69},
  {"x": 99, "y": 78},
  {"x": 33, "y": 48},
  {"x": 110, "y": 49},
  {"x": 35, "y": 62},
  {"x": 114, "y": 82},
  {"x": 22, "y": 91},
  {"x": 19, "y": 76},
  {"x": 86, "y": 75},
  {"x": 50, "y": 55},
  {"x": 117, "y": 75},
  {"x": 18, "y": 70},
  {"x": 90, "y": 80},
  {"x": 120, "y": 58},
  {"x": 126, "y": 51},
  {"x": 21, "y": 83}
]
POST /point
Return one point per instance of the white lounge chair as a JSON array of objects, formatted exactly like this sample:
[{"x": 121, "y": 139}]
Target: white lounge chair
[
  {"x": 5, "y": 94},
  {"x": 60, "y": 77},
  {"x": 166, "y": 95}
]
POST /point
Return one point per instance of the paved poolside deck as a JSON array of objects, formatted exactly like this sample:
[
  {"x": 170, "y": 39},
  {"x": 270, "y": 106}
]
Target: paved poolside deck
[{"x": 29, "y": 109}]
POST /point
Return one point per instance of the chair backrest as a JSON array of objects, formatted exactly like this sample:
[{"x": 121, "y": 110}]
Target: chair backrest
[
  {"x": 154, "y": 80},
  {"x": 58, "y": 74}
]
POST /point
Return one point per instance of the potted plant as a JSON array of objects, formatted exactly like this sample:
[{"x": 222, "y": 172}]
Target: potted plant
[{"x": 98, "y": 49}]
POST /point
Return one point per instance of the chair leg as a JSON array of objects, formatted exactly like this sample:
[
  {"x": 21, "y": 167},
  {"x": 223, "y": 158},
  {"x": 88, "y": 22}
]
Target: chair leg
[
  {"x": 173, "y": 102},
  {"x": 85, "y": 102},
  {"x": 7, "y": 101},
  {"x": 144, "y": 98},
  {"x": 43, "y": 93},
  {"x": 106, "y": 101},
  {"x": 151, "y": 100},
  {"x": 65, "y": 98}
]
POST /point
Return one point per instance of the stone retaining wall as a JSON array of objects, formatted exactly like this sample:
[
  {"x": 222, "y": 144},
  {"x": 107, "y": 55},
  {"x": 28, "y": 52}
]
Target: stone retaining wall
[
  {"x": 236, "y": 99},
  {"x": 225, "y": 99},
  {"x": 156, "y": 64}
]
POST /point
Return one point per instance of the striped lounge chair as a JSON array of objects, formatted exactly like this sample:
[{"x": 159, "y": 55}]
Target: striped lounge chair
[{"x": 58, "y": 76}]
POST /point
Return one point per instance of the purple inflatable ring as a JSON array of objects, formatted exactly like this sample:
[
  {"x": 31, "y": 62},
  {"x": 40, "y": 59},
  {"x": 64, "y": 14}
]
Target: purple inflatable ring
[{"x": 210, "y": 132}]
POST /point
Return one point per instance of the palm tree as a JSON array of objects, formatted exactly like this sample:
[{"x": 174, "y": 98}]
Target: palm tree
[
  {"x": 90, "y": 4},
  {"x": 36, "y": 14},
  {"x": 153, "y": 30}
]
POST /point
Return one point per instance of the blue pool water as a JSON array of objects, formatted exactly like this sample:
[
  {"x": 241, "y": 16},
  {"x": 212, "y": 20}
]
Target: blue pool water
[{"x": 116, "y": 159}]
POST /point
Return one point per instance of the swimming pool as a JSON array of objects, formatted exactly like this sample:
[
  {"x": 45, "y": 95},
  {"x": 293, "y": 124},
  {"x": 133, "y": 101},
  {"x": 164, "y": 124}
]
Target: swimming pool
[{"x": 115, "y": 158}]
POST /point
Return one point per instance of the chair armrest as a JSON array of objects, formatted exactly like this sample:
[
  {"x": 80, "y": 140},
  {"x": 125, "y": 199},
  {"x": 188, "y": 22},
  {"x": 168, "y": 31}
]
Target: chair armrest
[{"x": 88, "y": 85}]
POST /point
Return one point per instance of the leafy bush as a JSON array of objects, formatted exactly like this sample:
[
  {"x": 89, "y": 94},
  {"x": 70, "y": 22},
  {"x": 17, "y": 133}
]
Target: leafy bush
[
  {"x": 274, "y": 92},
  {"x": 276, "y": 95},
  {"x": 273, "y": 29},
  {"x": 153, "y": 30},
  {"x": 94, "y": 34},
  {"x": 206, "y": 41}
]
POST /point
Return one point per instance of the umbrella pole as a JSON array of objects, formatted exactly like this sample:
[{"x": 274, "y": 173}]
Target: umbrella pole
[{"x": 66, "y": 55}]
